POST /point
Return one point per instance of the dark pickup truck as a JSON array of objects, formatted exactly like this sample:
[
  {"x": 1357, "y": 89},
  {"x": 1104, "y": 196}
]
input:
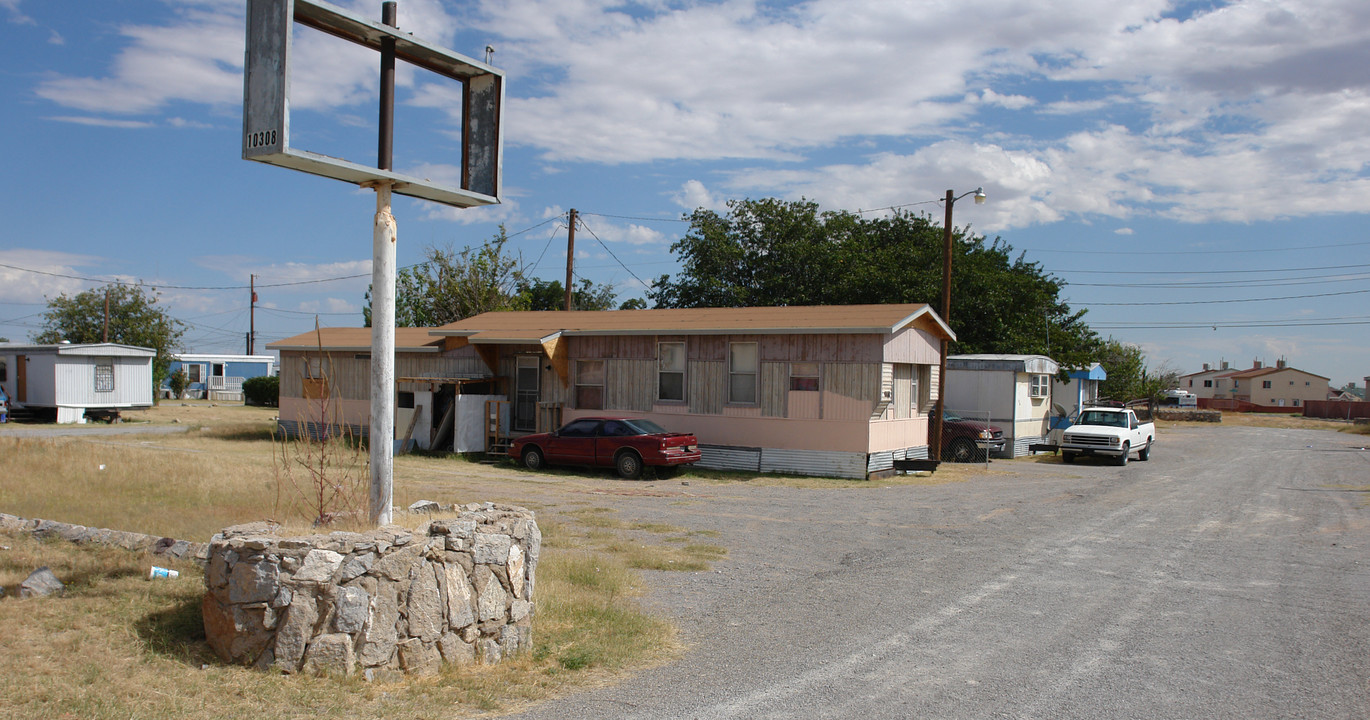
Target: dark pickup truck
[{"x": 965, "y": 440}]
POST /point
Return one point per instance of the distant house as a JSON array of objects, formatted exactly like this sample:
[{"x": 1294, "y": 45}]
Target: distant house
[
  {"x": 218, "y": 377},
  {"x": 1207, "y": 383},
  {"x": 1276, "y": 387},
  {"x": 837, "y": 391},
  {"x": 72, "y": 380},
  {"x": 1010, "y": 391}
]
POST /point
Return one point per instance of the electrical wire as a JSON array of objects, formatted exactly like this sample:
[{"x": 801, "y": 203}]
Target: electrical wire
[
  {"x": 612, "y": 255},
  {"x": 1218, "y": 302}
]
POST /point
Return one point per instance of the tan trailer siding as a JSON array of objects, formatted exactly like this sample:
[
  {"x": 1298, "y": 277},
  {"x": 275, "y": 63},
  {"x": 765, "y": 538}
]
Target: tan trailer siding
[
  {"x": 775, "y": 386},
  {"x": 707, "y": 389},
  {"x": 629, "y": 384},
  {"x": 819, "y": 348}
]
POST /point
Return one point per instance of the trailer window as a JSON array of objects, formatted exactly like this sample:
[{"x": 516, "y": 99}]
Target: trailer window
[{"x": 104, "y": 375}]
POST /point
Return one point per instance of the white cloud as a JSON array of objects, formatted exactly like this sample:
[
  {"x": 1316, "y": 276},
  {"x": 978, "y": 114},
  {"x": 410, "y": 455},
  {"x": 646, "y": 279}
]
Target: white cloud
[
  {"x": 102, "y": 122},
  {"x": 693, "y": 195},
  {"x": 34, "y": 274},
  {"x": 1123, "y": 231}
]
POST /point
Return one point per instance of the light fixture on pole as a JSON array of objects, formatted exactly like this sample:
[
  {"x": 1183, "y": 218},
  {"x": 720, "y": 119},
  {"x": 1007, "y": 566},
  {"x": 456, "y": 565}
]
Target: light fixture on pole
[{"x": 952, "y": 197}]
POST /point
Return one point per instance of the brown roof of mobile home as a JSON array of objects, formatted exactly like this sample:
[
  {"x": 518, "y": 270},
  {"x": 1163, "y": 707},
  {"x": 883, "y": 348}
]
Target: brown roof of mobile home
[
  {"x": 509, "y": 327},
  {"x": 358, "y": 340}
]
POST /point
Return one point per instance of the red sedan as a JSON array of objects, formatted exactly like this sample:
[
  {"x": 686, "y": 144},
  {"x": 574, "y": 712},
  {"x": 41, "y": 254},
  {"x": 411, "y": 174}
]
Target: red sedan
[{"x": 623, "y": 443}]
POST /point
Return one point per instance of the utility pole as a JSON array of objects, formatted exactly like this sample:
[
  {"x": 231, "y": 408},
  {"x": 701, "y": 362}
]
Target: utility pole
[
  {"x": 252, "y": 317},
  {"x": 570, "y": 256},
  {"x": 106, "y": 315}
]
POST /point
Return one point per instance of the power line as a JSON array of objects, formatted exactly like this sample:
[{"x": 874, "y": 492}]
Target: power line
[
  {"x": 633, "y": 217},
  {"x": 612, "y": 255},
  {"x": 1208, "y": 272},
  {"x": 1225, "y": 284},
  {"x": 1217, "y": 302},
  {"x": 1193, "y": 252},
  {"x": 1220, "y": 325}
]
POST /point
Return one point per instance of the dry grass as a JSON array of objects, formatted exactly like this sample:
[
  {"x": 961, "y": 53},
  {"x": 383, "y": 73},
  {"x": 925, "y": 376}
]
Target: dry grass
[{"x": 119, "y": 646}]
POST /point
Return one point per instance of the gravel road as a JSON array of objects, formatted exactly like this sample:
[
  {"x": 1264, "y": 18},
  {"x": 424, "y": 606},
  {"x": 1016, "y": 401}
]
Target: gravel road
[{"x": 1225, "y": 578}]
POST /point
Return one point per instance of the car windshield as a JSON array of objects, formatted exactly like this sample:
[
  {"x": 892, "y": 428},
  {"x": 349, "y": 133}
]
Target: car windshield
[
  {"x": 1106, "y": 419},
  {"x": 949, "y": 416},
  {"x": 645, "y": 427}
]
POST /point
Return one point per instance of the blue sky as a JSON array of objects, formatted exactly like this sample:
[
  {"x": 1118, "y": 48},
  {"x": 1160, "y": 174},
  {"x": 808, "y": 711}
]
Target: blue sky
[{"x": 1210, "y": 156}]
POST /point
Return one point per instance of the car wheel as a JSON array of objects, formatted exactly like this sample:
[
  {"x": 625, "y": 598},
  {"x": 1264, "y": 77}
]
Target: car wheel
[
  {"x": 1145, "y": 453},
  {"x": 962, "y": 450},
  {"x": 1122, "y": 459},
  {"x": 1067, "y": 457},
  {"x": 533, "y": 459},
  {"x": 629, "y": 465},
  {"x": 666, "y": 472}
]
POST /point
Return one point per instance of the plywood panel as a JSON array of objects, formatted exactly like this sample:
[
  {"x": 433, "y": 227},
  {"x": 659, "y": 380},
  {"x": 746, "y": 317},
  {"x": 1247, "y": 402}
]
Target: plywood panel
[
  {"x": 708, "y": 386},
  {"x": 912, "y": 345},
  {"x": 629, "y": 384},
  {"x": 775, "y": 387}
]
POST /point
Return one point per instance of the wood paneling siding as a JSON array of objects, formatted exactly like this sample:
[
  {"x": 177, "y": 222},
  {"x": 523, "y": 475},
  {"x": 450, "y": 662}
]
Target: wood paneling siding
[{"x": 349, "y": 373}]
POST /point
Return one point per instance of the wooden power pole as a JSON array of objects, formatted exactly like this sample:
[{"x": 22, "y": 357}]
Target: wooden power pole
[{"x": 570, "y": 256}]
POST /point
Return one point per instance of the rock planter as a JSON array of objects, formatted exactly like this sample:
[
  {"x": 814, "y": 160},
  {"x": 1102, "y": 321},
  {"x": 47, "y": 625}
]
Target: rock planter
[{"x": 387, "y": 601}]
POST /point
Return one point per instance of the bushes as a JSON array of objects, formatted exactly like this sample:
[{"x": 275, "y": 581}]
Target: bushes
[{"x": 262, "y": 390}]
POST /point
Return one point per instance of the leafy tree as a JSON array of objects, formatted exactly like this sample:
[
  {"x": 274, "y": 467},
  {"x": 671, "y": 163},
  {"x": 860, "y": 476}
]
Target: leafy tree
[
  {"x": 1129, "y": 378},
  {"x": 262, "y": 390},
  {"x": 771, "y": 252},
  {"x": 134, "y": 319},
  {"x": 178, "y": 382},
  {"x": 633, "y": 304},
  {"x": 551, "y": 295},
  {"x": 451, "y": 285}
]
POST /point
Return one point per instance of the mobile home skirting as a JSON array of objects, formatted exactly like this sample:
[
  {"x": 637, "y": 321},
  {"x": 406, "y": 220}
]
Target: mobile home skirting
[
  {"x": 295, "y": 428},
  {"x": 821, "y": 463}
]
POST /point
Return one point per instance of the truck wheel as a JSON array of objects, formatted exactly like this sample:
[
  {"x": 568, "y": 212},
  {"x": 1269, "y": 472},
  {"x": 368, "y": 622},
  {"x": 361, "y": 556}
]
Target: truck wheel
[
  {"x": 962, "y": 450},
  {"x": 1145, "y": 453},
  {"x": 532, "y": 458},
  {"x": 629, "y": 465},
  {"x": 1122, "y": 459},
  {"x": 1067, "y": 457}
]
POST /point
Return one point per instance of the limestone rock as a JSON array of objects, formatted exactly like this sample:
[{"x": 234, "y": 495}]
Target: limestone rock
[
  {"x": 395, "y": 566},
  {"x": 418, "y": 658},
  {"x": 350, "y": 610},
  {"x": 294, "y": 634},
  {"x": 319, "y": 566},
  {"x": 425, "y": 607},
  {"x": 330, "y": 655},
  {"x": 357, "y": 566},
  {"x": 491, "y": 604},
  {"x": 515, "y": 569},
  {"x": 378, "y": 642},
  {"x": 41, "y": 583},
  {"x": 459, "y": 613},
  {"x": 252, "y": 582},
  {"x": 425, "y": 506},
  {"x": 456, "y": 651},
  {"x": 491, "y": 549}
]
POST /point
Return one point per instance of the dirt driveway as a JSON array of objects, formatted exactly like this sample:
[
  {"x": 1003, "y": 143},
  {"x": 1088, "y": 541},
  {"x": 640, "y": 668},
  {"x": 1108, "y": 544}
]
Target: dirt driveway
[{"x": 1227, "y": 577}]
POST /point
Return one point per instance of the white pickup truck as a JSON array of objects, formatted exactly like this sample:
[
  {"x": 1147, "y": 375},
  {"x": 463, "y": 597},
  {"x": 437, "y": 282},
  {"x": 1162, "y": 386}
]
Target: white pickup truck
[{"x": 1112, "y": 432}]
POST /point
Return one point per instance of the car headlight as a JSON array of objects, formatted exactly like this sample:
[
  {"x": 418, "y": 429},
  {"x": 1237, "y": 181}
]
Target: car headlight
[
  {"x": 986, "y": 435},
  {"x": 1114, "y": 441}
]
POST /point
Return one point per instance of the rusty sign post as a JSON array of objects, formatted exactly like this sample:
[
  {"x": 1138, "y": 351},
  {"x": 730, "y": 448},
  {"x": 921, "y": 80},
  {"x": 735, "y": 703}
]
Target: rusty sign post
[{"x": 266, "y": 138}]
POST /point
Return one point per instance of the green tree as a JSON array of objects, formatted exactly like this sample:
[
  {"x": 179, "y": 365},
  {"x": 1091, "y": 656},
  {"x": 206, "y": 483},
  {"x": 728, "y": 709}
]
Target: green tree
[
  {"x": 1129, "y": 377},
  {"x": 177, "y": 383},
  {"x": 134, "y": 319},
  {"x": 633, "y": 304},
  {"x": 772, "y": 252},
  {"x": 551, "y": 295},
  {"x": 450, "y": 285}
]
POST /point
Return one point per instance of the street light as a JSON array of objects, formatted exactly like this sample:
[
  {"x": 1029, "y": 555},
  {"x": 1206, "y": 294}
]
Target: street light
[{"x": 952, "y": 197}]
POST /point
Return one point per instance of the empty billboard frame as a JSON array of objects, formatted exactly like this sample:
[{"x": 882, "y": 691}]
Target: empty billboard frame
[{"x": 266, "y": 101}]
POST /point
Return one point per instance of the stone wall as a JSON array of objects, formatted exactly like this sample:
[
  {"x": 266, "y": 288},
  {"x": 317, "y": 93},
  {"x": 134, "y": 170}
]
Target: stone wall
[
  {"x": 82, "y": 535},
  {"x": 391, "y": 600}
]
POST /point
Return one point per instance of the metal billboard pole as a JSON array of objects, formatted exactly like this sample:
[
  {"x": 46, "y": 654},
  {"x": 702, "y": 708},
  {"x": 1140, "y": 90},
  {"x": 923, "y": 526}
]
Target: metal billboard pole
[{"x": 266, "y": 138}]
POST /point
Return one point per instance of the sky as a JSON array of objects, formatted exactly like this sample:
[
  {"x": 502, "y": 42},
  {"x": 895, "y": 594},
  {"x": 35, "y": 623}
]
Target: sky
[{"x": 1195, "y": 171}]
